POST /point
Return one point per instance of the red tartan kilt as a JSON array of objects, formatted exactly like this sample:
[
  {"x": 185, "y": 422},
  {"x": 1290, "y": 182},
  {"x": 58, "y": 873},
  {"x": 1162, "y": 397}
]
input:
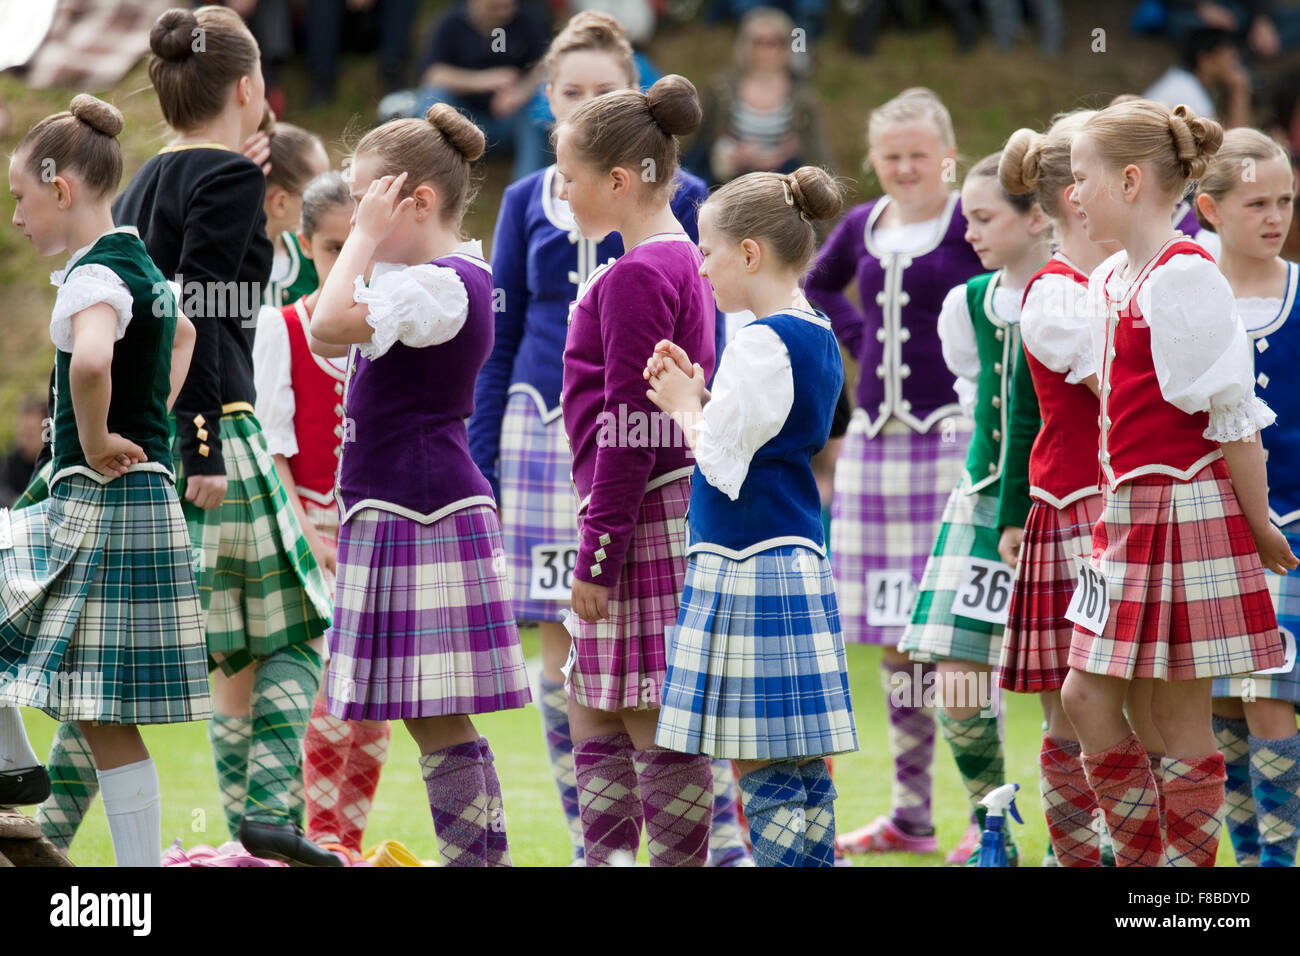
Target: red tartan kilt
[
  {"x": 1036, "y": 642},
  {"x": 1188, "y": 597}
]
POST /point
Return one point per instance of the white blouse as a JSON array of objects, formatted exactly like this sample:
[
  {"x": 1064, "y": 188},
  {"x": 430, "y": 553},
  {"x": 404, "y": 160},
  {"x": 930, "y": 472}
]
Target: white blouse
[
  {"x": 957, "y": 336},
  {"x": 908, "y": 237},
  {"x": 1056, "y": 327},
  {"x": 1199, "y": 345},
  {"x": 752, "y": 394},
  {"x": 80, "y": 287},
  {"x": 273, "y": 382}
]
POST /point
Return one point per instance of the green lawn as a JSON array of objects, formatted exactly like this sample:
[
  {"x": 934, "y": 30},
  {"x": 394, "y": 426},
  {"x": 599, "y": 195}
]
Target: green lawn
[{"x": 538, "y": 837}]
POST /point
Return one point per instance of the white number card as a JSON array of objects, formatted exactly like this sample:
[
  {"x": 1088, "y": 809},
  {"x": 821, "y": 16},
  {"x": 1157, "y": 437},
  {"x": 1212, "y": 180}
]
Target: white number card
[
  {"x": 985, "y": 591},
  {"x": 1289, "y": 639},
  {"x": 551, "y": 578},
  {"x": 1090, "y": 606},
  {"x": 6, "y": 533},
  {"x": 890, "y": 596}
]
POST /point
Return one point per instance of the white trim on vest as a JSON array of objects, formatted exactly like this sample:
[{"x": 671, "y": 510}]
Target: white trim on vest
[
  {"x": 380, "y": 505},
  {"x": 711, "y": 547},
  {"x": 1010, "y": 349},
  {"x": 666, "y": 478},
  {"x": 548, "y": 415}
]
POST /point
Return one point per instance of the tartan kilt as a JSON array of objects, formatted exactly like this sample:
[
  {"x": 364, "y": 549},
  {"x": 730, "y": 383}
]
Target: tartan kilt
[
  {"x": 1036, "y": 641},
  {"x": 536, "y": 498},
  {"x": 261, "y": 588},
  {"x": 38, "y": 489},
  {"x": 423, "y": 625},
  {"x": 102, "y": 619},
  {"x": 969, "y": 530},
  {"x": 1285, "y": 591},
  {"x": 622, "y": 661},
  {"x": 756, "y": 664},
  {"x": 888, "y": 500},
  {"x": 1188, "y": 596}
]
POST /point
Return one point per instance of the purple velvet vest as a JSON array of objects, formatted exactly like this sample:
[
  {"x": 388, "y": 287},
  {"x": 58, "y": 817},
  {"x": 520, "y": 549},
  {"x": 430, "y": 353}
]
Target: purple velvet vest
[{"x": 405, "y": 447}]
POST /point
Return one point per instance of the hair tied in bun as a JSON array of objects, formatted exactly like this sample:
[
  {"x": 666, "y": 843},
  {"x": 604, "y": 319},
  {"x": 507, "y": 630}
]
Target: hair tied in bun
[
  {"x": 790, "y": 185},
  {"x": 95, "y": 113},
  {"x": 175, "y": 35}
]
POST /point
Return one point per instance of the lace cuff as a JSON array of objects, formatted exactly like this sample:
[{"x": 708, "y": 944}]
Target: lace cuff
[
  {"x": 720, "y": 463},
  {"x": 418, "y": 306},
  {"x": 1235, "y": 422}
]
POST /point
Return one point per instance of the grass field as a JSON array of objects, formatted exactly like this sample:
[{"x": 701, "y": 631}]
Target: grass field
[{"x": 538, "y": 837}]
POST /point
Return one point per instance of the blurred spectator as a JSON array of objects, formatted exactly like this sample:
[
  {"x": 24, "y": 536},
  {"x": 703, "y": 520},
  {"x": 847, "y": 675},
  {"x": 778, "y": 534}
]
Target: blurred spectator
[
  {"x": 808, "y": 15},
  {"x": 911, "y": 15},
  {"x": 483, "y": 58},
  {"x": 1267, "y": 27},
  {"x": 1210, "y": 63},
  {"x": 332, "y": 22},
  {"x": 1284, "y": 126},
  {"x": 271, "y": 24},
  {"x": 759, "y": 115},
  {"x": 1006, "y": 21},
  {"x": 18, "y": 465}
]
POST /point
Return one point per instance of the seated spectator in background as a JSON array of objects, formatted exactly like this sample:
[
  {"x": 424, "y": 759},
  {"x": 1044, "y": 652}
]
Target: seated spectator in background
[
  {"x": 362, "y": 25},
  {"x": 808, "y": 15},
  {"x": 483, "y": 58},
  {"x": 1210, "y": 62},
  {"x": 759, "y": 116},
  {"x": 1266, "y": 27},
  {"x": 19, "y": 464},
  {"x": 911, "y": 15}
]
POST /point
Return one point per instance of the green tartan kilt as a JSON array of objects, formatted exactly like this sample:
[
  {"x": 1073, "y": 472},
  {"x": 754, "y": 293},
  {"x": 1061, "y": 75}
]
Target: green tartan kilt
[
  {"x": 969, "y": 530},
  {"x": 261, "y": 588},
  {"x": 37, "y": 490}
]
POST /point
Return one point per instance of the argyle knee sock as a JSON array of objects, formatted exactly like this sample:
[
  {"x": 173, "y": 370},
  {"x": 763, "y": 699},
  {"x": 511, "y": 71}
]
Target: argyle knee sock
[
  {"x": 977, "y": 749},
  {"x": 1239, "y": 799},
  {"x": 911, "y": 743},
  {"x": 1121, "y": 778},
  {"x": 284, "y": 687},
  {"x": 366, "y": 759},
  {"x": 559, "y": 746},
  {"x": 774, "y": 801},
  {"x": 677, "y": 800},
  {"x": 230, "y": 738},
  {"x": 325, "y": 749},
  {"x": 726, "y": 842},
  {"x": 1068, "y": 803},
  {"x": 458, "y": 800},
  {"x": 1275, "y": 779},
  {"x": 498, "y": 848},
  {"x": 1194, "y": 790},
  {"x": 819, "y": 814},
  {"x": 609, "y": 800},
  {"x": 73, "y": 785}
]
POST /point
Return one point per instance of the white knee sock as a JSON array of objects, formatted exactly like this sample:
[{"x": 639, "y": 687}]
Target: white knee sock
[
  {"x": 15, "y": 749},
  {"x": 134, "y": 807}
]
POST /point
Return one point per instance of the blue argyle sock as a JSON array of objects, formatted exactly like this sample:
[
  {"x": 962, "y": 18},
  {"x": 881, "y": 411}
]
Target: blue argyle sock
[
  {"x": 774, "y": 800},
  {"x": 1239, "y": 799},
  {"x": 1275, "y": 778},
  {"x": 819, "y": 814}
]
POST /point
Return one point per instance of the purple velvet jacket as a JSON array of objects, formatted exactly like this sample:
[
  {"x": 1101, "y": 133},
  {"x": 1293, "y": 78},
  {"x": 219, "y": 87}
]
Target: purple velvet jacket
[
  {"x": 894, "y": 336},
  {"x": 405, "y": 448},
  {"x": 622, "y": 444}
]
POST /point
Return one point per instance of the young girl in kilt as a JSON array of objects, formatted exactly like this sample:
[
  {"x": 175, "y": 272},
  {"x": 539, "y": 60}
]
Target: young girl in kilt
[
  {"x": 198, "y": 206},
  {"x": 903, "y": 451},
  {"x": 300, "y": 406},
  {"x": 1185, "y": 522},
  {"x": 1049, "y": 498},
  {"x": 631, "y": 473},
  {"x": 296, "y": 157},
  {"x": 757, "y": 671},
  {"x": 1255, "y": 714},
  {"x": 979, "y": 328},
  {"x": 423, "y": 630},
  {"x": 101, "y": 623},
  {"x": 540, "y": 259}
]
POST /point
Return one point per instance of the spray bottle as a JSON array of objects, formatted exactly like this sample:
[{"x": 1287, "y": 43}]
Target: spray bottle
[{"x": 993, "y": 845}]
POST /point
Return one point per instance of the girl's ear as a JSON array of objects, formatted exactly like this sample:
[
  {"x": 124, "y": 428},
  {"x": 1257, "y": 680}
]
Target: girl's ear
[
  {"x": 753, "y": 255},
  {"x": 1038, "y": 221},
  {"x": 243, "y": 90},
  {"x": 1209, "y": 209},
  {"x": 620, "y": 181},
  {"x": 62, "y": 192},
  {"x": 426, "y": 201},
  {"x": 1130, "y": 181},
  {"x": 277, "y": 200}
]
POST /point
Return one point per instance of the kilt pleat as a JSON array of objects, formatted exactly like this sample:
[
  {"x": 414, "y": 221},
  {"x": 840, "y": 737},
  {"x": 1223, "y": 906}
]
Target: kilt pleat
[
  {"x": 757, "y": 668},
  {"x": 536, "y": 498},
  {"x": 261, "y": 587},
  {"x": 1036, "y": 640},
  {"x": 1188, "y": 596},
  {"x": 621, "y": 661},
  {"x": 423, "y": 625},
  {"x": 969, "y": 530},
  {"x": 101, "y": 616},
  {"x": 888, "y": 501}
]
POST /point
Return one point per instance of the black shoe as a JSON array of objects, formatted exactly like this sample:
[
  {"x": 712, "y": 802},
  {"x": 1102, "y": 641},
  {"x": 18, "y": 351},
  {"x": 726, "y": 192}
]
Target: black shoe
[
  {"x": 283, "y": 842},
  {"x": 20, "y": 788}
]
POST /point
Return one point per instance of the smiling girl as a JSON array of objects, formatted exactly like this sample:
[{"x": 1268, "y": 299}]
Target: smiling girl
[{"x": 1185, "y": 494}]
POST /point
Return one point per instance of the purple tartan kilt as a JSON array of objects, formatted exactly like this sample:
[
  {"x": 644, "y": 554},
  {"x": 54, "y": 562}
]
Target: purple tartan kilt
[{"x": 423, "y": 625}]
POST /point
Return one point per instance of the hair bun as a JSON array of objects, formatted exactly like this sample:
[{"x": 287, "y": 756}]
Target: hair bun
[
  {"x": 1019, "y": 169},
  {"x": 1196, "y": 139},
  {"x": 172, "y": 35},
  {"x": 675, "y": 105},
  {"x": 466, "y": 138},
  {"x": 98, "y": 115},
  {"x": 815, "y": 193}
]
